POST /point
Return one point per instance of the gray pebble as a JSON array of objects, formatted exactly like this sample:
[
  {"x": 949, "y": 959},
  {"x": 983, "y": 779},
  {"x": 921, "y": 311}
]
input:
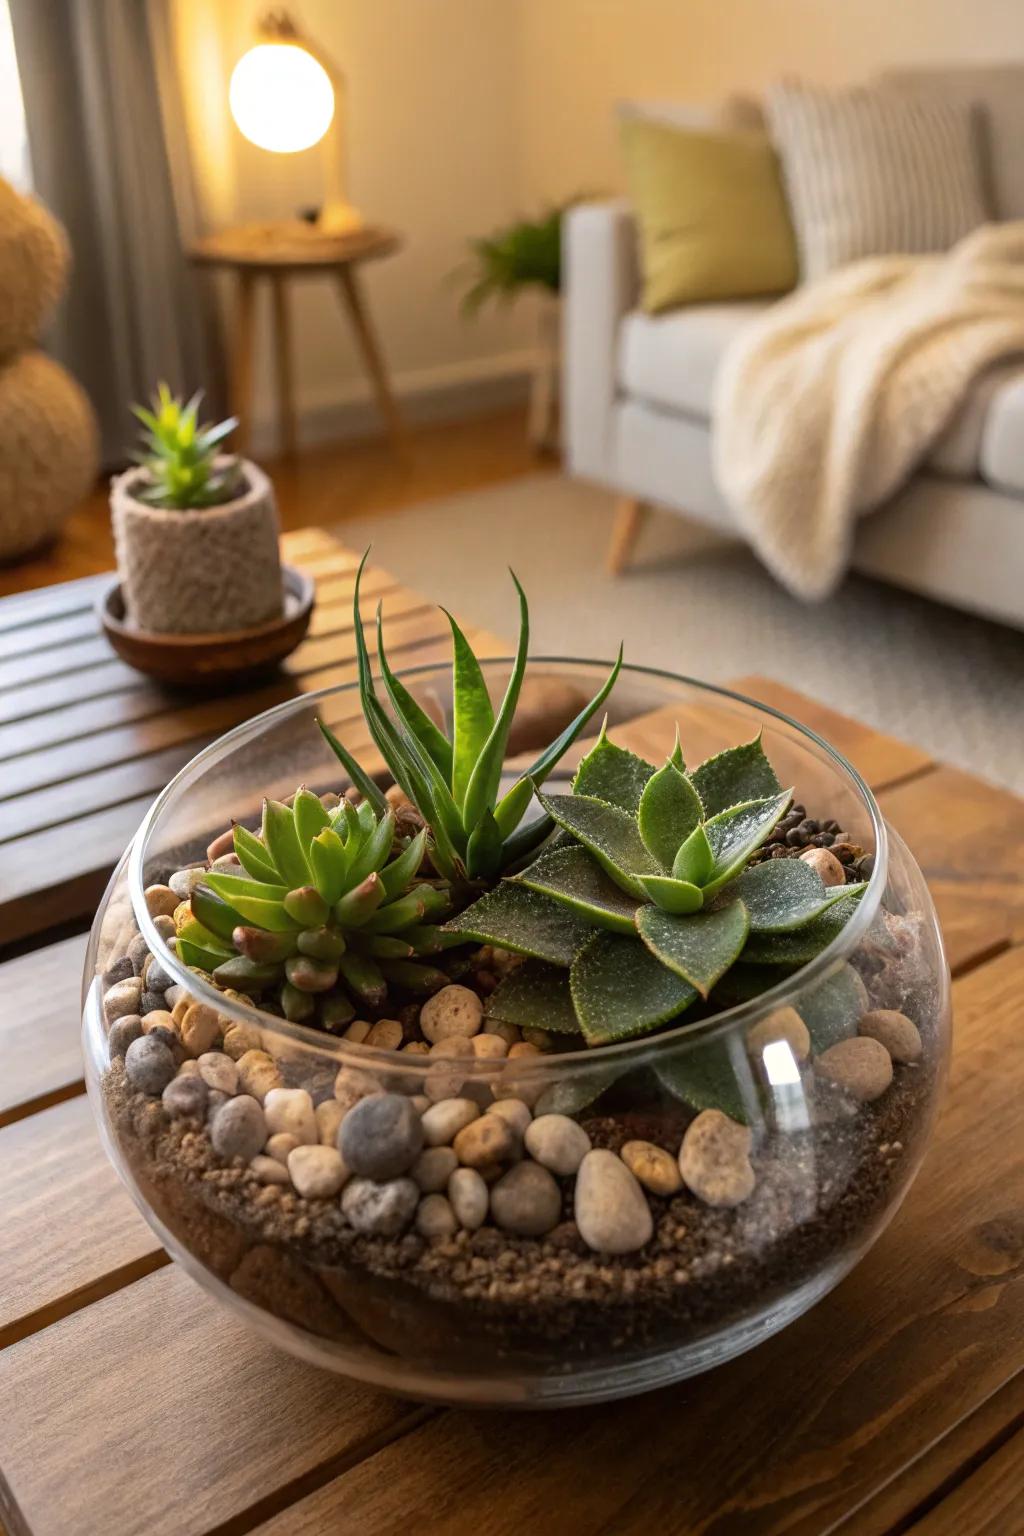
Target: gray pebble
[
  {"x": 239, "y": 1128},
  {"x": 149, "y": 1064},
  {"x": 526, "y": 1201},
  {"x": 186, "y": 1096},
  {"x": 138, "y": 953},
  {"x": 433, "y": 1168},
  {"x": 435, "y": 1217},
  {"x": 158, "y": 978},
  {"x": 118, "y": 970},
  {"x": 166, "y": 1037},
  {"x": 215, "y": 1101},
  {"x": 164, "y": 927},
  {"x": 151, "y": 1002},
  {"x": 611, "y": 1208},
  {"x": 174, "y": 995},
  {"x": 122, "y": 1032},
  {"x": 383, "y": 1210},
  {"x": 121, "y": 999},
  {"x": 381, "y": 1136}
]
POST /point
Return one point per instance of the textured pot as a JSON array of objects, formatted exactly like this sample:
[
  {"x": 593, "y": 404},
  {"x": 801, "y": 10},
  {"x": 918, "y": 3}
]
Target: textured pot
[{"x": 203, "y": 571}]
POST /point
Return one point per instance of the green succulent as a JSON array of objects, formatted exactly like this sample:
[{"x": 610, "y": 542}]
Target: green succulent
[
  {"x": 648, "y": 897},
  {"x": 328, "y": 912},
  {"x": 180, "y": 456},
  {"x": 455, "y": 783}
]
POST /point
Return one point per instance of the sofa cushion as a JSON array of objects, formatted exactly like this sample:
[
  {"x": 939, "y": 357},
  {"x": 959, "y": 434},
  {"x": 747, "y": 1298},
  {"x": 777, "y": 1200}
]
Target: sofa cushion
[
  {"x": 997, "y": 90},
  {"x": 1002, "y": 438},
  {"x": 671, "y": 360}
]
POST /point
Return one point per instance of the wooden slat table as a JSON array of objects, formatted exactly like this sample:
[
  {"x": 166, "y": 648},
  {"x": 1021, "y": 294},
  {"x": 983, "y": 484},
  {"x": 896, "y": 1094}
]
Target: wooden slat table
[{"x": 129, "y": 1402}]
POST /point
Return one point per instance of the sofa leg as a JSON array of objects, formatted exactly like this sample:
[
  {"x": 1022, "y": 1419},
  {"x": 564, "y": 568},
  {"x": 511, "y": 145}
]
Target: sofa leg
[{"x": 629, "y": 515}]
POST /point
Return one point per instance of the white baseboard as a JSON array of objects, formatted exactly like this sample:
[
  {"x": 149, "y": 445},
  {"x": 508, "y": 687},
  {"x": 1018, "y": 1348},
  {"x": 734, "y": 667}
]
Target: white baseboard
[{"x": 449, "y": 392}]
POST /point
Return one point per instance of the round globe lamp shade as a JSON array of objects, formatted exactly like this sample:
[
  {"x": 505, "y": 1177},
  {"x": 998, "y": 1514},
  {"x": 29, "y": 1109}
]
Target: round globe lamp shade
[{"x": 281, "y": 98}]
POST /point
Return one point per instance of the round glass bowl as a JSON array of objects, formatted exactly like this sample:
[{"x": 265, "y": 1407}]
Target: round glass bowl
[{"x": 792, "y": 1165}]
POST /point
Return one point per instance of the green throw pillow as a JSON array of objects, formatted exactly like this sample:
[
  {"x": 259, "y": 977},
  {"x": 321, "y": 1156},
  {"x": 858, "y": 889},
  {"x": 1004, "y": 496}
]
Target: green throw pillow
[{"x": 712, "y": 214}]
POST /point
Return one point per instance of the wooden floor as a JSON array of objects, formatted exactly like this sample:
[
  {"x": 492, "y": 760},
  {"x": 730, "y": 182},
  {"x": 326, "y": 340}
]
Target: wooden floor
[{"x": 321, "y": 486}]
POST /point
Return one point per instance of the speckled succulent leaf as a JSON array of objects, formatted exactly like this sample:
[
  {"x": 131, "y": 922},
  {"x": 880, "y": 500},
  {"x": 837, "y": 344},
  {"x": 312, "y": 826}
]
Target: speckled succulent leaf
[
  {"x": 568, "y": 1095},
  {"x": 485, "y": 778},
  {"x": 572, "y": 877},
  {"x": 524, "y": 921},
  {"x": 397, "y": 875},
  {"x": 612, "y": 774},
  {"x": 310, "y": 816},
  {"x": 802, "y": 944},
  {"x": 535, "y": 996},
  {"x": 711, "y": 1075},
  {"x": 671, "y": 895},
  {"x": 669, "y": 810},
  {"x": 700, "y": 948},
  {"x": 484, "y": 849},
  {"x": 620, "y": 990},
  {"x": 430, "y": 938},
  {"x": 675, "y": 757},
  {"x": 328, "y": 859},
  {"x": 322, "y": 943},
  {"x": 743, "y": 982},
  {"x": 737, "y": 833},
  {"x": 214, "y": 913},
  {"x": 350, "y": 825},
  {"x": 525, "y": 840},
  {"x": 472, "y": 713},
  {"x": 610, "y": 834},
  {"x": 783, "y": 894},
  {"x": 734, "y": 776},
  {"x": 281, "y": 838},
  {"x": 367, "y": 818},
  {"x": 694, "y": 859},
  {"x": 831, "y": 1010},
  {"x": 366, "y": 786},
  {"x": 370, "y": 858},
  {"x": 253, "y": 856}
]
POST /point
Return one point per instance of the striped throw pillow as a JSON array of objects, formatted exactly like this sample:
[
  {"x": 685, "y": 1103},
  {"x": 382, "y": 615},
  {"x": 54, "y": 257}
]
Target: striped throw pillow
[{"x": 872, "y": 173}]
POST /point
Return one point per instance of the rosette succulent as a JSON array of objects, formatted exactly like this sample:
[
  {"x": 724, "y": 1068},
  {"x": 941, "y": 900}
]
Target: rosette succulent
[
  {"x": 182, "y": 457},
  {"x": 456, "y": 782},
  {"x": 331, "y": 908},
  {"x": 647, "y": 897}
]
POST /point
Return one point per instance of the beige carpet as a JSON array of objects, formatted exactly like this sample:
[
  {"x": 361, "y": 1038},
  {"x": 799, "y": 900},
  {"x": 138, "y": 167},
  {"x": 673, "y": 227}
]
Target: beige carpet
[{"x": 950, "y": 683}]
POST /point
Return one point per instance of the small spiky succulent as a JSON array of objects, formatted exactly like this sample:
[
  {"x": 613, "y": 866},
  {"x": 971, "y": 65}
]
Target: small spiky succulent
[
  {"x": 328, "y": 912},
  {"x": 181, "y": 456},
  {"x": 455, "y": 784},
  {"x": 648, "y": 898}
]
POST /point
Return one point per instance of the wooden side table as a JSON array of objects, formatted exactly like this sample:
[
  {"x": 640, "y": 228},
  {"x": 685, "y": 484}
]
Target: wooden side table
[{"x": 280, "y": 251}]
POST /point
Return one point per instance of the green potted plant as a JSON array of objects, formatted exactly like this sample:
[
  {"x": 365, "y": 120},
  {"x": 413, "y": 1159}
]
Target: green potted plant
[{"x": 195, "y": 528}]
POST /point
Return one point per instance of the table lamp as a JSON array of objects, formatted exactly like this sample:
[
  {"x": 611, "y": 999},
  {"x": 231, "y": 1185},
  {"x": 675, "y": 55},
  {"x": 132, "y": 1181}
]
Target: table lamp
[{"x": 287, "y": 95}]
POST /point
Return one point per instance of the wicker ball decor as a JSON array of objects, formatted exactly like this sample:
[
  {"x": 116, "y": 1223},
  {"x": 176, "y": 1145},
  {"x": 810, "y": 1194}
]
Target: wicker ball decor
[
  {"x": 34, "y": 261},
  {"x": 48, "y": 450}
]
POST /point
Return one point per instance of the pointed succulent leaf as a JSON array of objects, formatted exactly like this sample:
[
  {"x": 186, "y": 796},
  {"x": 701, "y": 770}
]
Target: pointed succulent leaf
[
  {"x": 430, "y": 938},
  {"x": 472, "y": 714},
  {"x": 423, "y": 980},
  {"x": 737, "y": 833},
  {"x": 675, "y": 757},
  {"x": 482, "y": 789},
  {"x": 362, "y": 780},
  {"x": 524, "y": 921},
  {"x": 669, "y": 811},
  {"x": 436, "y": 900},
  {"x": 247, "y": 975},
  {"x": 694, "y": 860},
  {"x": 513, "y": 805},
  {"x": 802, "y": 944},
  {"x": 572, "y": 877},
  {"x": 297, "y": 1006},
  {"x": 257, "y": 944},
  {"x": 265, "y": 914},
  {"x": 711, "y": 1075},
  {"x": 311, "y": 975},
  {"x": 484, "y": 849},
  {"x": 328, "y": 860},
  {"x": 213, "y": 912},
  {"x": 384, "y": 946},
  {"x": 619, "y": 989},
  {"x": 700, "y": 948},
  {"x": 195, "y": 932},
  {"x": 414, "y": 720},
  {"x": 362, "y": 975},
  {"x": 783, "y": 894},
  {"x": 321, "y": 943},
  {"x": 396, "y": 915},
  {"x": 679, "y": 896},
  {"x": 734, "y": 776},
  {"x": 610, "y": 834},
  {"x": 230, "y": 887},
  {"x": 306, "y": 905},
  {"x": 371, "y": 856},
  {"x": 352, "y": 910},
  {"x": 254, "y": 856},
  {"x": 612, "y": 774},
  {"x": 397, "y": 875},
  {"x": 282, "y": 839},
  {"x": 525, "y": 840},
  {"x": 193, "y": 954},
  {"x": 535, "y": 996},
  {"x": 336, "y": 1010},
  {"x": 310, "y": 816}
]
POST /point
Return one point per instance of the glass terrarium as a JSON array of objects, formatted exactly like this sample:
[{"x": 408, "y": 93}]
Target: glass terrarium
[{"x": 442, "y": 1188}]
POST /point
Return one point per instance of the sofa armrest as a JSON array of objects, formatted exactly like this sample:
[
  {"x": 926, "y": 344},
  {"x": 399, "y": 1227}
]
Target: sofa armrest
[{"x": 600, "y": 284}]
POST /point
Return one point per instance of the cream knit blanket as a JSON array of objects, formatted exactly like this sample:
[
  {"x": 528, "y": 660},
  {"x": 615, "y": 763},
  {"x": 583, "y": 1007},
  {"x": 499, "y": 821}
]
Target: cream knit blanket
[{"x": 825, "y": 405}]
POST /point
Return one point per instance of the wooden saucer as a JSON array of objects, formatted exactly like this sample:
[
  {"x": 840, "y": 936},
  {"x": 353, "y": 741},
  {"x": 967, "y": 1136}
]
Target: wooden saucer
[{"x": 210, "y": 661}]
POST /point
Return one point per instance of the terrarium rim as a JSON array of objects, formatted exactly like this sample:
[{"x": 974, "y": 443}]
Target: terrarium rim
[{"x": 729, "y": 1022}]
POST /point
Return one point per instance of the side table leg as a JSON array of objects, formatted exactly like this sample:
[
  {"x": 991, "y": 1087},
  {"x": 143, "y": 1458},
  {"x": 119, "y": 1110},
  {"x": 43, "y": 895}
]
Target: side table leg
[
  {"x": 242, "y": 357},
  {"x": 360, "y": 317},
  {"x": 287, "y": 433}
]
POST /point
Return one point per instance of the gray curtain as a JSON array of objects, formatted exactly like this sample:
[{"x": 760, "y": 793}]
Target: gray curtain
[{"x": 108, "y": 154}]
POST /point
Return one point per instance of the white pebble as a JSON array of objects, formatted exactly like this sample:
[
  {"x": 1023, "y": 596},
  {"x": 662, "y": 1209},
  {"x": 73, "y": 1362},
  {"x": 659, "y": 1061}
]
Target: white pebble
[
  {"x": 610, "y": 1207},
  {"x": 558, "y": 1143},
  {"x": 469, "y": 1198},
  {"x": 329, "y": 1115},
  {"x": 442, "y": 1122},
  {"x": 514, "y": 1111},
  {"x": 382, "y": 1210},
  {"x": 218, "y": 1071},
  {"x": 269, "y": 1171},
  {"x": 291, "y": 1109},
  {"x": 317, "y": 1172},
  {"x": 280, "y": 1145}
]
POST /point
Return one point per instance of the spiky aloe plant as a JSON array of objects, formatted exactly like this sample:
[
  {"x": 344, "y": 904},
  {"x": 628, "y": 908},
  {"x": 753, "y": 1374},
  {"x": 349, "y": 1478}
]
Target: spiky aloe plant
[
  {"x": 326, "y": 915},
  {"x": 652, "y": 899},
  {"x": 455, "y": 783},
  {"x": 180, "y": 455}
]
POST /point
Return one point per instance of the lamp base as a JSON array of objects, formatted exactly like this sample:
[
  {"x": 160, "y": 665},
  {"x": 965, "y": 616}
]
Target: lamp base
[{"x": 338, "y": 219}]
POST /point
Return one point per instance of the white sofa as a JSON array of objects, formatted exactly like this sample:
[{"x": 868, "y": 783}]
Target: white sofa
[{"x": 637, "y": 399}]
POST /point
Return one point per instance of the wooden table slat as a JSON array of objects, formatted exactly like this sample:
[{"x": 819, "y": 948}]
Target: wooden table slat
[{"x": 39, "y": 1024}]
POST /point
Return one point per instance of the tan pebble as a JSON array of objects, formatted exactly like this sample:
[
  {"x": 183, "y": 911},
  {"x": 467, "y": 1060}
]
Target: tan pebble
[
  {"x": 520, "y": 1081},
  {"x": 825, "y": 865},
  {"x": 454, "y": 1048},
  {"x": 221, "y": 845},
  {"x": 433, "y": 1168},
  {"x": 656, "y": 1169},
  {"x": 443, "y": 1121},
  {"x": 280, "y": 1144},
  {"x": 189, "y": 1068},
  {"x": 159, "y": 1019},
  {"x": 454, "y": 1011},
  {"x": 541, "y": 1038},
  {"x": 446, "y": 1076},
  {"x": 351, "y": 1085},
  {"x": 714, "y": 1159},
  {"x": 508, "y": 1032},
  {"x": 160, "y": 900},
  {"x": 469, "y": 1198},
  {"x": 862, "y": 1067},
  {"x": 396, "y": 797},
  {"x": 487, "y": 1140},
  {"x": 239, "y": 1038},
  {"x": 526, "y": 1201},
  {"x": 900, "y": 1035},
  {"x": 514, "y": 1111},
  {"x": 489, "y": 1047},
  {"x": 420, "y": 1103},
  {"x": 199, "y": 1029},
  {"x": 318, "y": 1173},
  {"x": 435, "y": 1217},
  {"x": 270, "y": 1170},
  {"x": 258, "y": 1074},
  {"x": 329, "y": 1116},
  {"x": 182, "y": 914},
  {"x": 523, "y": 1048},
  {"x": 610, "y": 1207},
  {"x": 357, "y": 1031},
  {"x": 386, "y": 1035},
  {"x": 416, "y": 1048},
  {"x": 783, "y": 1024}
]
